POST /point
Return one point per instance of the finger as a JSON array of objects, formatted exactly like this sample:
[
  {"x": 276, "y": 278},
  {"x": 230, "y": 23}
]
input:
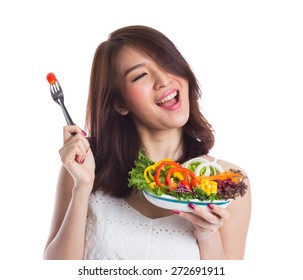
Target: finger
[
  {"x": 203, "y": 213},
  {"x": 83, "y": 147},
  {"x": 75, "y": 149},
  {"x": 70, "y": 130},
  {"x": 79, "y": 139},
  {"x": 71, "y": 152},
  {"x": 219, "y": 211},
  {"x": 200, "y": 222}
]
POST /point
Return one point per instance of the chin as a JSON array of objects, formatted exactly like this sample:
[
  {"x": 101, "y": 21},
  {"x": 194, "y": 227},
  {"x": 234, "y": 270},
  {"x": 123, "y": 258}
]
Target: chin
[{"x": 180, "y": 121}]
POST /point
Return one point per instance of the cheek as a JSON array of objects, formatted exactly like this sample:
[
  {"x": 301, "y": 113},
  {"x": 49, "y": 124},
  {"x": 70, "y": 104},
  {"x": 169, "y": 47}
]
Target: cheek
[{"x": 136, "y": 96}]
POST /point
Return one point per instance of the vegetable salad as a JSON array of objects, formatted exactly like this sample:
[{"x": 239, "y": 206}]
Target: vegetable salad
[{"x": 197, "y": 178}]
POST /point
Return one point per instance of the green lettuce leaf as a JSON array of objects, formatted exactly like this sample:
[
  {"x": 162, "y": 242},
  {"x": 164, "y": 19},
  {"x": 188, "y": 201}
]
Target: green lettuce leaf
[{"x": 136, "y": 175}]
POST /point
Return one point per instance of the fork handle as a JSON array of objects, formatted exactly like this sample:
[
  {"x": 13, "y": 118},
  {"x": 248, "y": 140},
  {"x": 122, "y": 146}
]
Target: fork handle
[{"x": 65, "y": 112}]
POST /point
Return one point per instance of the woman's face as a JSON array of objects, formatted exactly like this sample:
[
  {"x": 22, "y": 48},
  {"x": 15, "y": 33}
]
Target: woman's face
[{"x": 156, "y": 99}]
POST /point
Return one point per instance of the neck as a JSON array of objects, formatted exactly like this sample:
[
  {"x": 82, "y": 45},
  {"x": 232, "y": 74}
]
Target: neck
[{"x": 162, "y": 144}]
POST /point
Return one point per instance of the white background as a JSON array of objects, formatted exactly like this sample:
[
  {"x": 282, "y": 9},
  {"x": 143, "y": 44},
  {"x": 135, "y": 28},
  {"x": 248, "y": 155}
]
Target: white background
[{"x": 248, "y": 57}]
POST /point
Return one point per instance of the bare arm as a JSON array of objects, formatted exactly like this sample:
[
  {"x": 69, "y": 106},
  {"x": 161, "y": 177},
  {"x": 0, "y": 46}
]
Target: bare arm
[
  {"x": 67, "y": 232},
  {"x": 221, "y": 233},
  {"x": 229, "y": 241},
  {"x": 234, "y": 231}
]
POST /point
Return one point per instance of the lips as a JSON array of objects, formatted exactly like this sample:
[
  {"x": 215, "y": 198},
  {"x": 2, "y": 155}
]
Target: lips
[{"x": 169, "y": 99}]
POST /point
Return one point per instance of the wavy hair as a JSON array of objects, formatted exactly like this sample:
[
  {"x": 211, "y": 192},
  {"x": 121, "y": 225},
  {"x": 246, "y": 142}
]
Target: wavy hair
[{"x": 114, "y": 139}]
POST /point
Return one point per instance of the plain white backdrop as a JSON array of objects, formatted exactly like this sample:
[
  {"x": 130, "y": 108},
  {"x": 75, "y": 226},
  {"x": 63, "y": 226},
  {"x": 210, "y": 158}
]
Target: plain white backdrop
[{"x": 248, "y": 58}]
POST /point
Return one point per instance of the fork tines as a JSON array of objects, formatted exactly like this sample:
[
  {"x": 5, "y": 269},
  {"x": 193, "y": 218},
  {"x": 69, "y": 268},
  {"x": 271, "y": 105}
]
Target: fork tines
[{"x": 55, "y": 88}]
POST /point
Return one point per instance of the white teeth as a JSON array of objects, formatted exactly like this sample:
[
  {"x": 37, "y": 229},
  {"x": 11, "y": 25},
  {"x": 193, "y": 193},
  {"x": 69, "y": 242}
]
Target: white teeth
[{"x": 168, "y": 97}]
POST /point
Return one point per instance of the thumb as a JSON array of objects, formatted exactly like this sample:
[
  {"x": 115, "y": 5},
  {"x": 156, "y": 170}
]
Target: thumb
[{"x": 70, "y": 130}]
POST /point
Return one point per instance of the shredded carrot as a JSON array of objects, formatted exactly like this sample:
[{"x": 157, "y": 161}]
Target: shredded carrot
[{"x": 235, "y": 177}]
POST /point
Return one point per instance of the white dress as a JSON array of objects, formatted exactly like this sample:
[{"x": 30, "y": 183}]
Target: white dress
[{"x": 116, "y": 231}]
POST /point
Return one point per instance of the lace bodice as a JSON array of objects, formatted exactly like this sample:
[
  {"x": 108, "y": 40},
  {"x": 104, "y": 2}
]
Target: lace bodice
[{"x": 115, "y": 230}]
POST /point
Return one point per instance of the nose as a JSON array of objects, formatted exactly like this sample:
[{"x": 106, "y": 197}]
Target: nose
[{"x": 162, "y": 79}]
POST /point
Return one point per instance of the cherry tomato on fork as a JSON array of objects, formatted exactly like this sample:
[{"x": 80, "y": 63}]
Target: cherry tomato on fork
[{"x": 51, "y": 78}]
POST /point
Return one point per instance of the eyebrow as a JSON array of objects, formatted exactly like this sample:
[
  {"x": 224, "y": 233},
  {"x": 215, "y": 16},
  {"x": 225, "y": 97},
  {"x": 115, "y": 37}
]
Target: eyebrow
[{"x": 133, "y": 68}]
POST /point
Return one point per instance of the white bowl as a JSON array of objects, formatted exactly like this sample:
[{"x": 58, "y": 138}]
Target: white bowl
[{"x": 172, "y": 203}]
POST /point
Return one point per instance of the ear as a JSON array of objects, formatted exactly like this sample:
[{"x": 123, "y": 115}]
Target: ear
[{"x": 121, "y": 109}]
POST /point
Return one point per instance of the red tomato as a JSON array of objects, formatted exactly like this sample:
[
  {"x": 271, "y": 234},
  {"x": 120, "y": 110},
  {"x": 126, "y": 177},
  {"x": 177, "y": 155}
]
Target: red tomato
[{"x": 51, "y": 78}]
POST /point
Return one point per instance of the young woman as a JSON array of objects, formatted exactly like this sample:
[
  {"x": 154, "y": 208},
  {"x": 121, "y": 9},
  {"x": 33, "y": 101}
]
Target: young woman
[{"x": 143, "y": 95}]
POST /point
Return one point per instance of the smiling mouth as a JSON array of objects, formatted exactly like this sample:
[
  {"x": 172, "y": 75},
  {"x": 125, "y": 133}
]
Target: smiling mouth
[{"x": 169, "y": 100}]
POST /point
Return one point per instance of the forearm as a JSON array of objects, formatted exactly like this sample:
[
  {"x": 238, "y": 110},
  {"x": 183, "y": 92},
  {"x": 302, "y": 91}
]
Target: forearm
[
  {"x": 211, "y": 248},
  {"x": 69, "y": 240}
]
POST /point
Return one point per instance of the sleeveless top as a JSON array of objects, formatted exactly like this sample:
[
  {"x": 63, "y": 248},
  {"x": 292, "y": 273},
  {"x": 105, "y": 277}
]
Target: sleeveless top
[{"x": 117, "y": 231}]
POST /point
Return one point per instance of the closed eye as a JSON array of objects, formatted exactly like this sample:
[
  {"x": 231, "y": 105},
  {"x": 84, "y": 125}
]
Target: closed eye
[{"x": 139, "y": 77}]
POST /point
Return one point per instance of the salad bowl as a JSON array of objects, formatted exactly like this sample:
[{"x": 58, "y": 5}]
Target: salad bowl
[
  {"x": 170, "y": 185},
  {"x": 172, "y": 203}
]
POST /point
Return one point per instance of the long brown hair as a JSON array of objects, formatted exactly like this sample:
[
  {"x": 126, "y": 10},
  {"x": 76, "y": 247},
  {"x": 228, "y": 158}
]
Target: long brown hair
[{"x": 114, "y": 138}]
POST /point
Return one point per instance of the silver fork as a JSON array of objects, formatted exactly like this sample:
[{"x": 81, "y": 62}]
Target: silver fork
[{"x": 57, "y": 95}]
